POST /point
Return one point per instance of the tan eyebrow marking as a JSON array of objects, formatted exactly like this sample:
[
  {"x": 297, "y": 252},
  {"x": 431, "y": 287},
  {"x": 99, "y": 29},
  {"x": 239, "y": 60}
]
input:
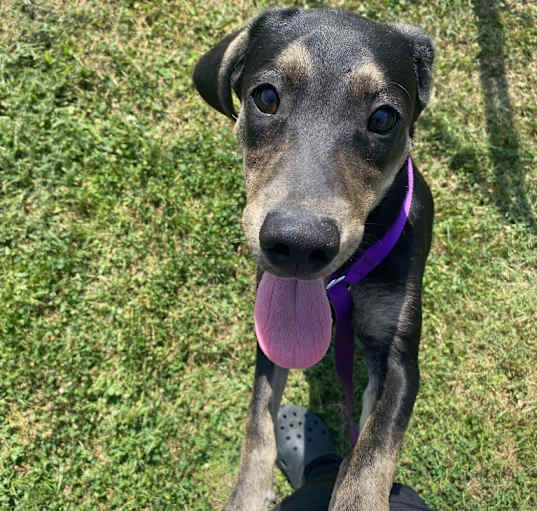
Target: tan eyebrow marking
[
  {"x": 295, "y": 62},
  {"x": 366, "y": 79}
]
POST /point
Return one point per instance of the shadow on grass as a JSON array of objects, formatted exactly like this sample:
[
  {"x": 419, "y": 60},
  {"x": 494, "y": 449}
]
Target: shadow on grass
[{"x": 504, "y": 146}]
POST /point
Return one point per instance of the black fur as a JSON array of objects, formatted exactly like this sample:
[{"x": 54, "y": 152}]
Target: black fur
[{"x": 316, "y": 162}]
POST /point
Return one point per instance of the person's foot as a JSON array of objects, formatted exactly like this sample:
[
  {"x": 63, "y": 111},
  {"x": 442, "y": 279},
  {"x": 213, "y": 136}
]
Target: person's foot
[
  {"x": 305, "y": 447},
  {"x": 306, "y": 453}
]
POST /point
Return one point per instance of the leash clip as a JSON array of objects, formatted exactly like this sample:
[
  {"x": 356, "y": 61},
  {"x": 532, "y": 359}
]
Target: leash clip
[{"x": 333, "y": 282}]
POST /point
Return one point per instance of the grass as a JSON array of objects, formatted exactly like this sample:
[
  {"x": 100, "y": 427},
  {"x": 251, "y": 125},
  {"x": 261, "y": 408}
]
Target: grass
[{"x": 126, "y": 291}]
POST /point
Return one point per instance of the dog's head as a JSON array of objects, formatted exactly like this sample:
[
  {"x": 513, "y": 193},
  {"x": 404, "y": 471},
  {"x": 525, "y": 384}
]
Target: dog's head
[{"x": 328, "y": 104}]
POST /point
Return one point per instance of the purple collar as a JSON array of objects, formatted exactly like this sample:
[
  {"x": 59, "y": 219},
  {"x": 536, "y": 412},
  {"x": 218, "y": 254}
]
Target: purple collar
[{"x": 338, "y": 290}]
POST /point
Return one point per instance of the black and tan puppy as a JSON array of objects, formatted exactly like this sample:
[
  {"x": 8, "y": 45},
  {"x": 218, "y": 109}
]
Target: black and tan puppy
[{"x": 328, "y": 106}]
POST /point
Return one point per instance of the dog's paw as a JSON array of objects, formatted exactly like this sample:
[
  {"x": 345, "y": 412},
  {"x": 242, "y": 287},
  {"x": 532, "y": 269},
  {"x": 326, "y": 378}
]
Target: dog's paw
[
  {"x": 360, "y": 505},
  {"x": 348, "y": 497},
  {"x": 251, "y": 501}
]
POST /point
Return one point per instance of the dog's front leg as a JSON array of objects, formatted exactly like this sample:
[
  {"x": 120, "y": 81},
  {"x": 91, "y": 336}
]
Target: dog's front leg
[
  {"x": 253, "y": 491},
  {"x": 365, "y": 478}
]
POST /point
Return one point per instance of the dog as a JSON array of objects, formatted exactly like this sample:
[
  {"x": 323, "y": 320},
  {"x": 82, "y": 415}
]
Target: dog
[{"x": 329, "y": 101}]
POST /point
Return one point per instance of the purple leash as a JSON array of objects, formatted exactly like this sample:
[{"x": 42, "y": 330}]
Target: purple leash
[{"x": 338, "y": 290}]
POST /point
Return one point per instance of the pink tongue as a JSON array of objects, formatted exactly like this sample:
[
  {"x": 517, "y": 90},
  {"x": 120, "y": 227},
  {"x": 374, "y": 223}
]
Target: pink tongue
[{"x": 292, "y": 321}]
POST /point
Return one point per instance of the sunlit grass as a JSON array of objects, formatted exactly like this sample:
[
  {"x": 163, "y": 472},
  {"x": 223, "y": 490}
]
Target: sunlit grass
[{"x": 126, "y": 291}]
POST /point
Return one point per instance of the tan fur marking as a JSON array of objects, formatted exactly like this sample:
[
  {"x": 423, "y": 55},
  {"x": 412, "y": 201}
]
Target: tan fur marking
[
  {"x": 369, "y": 400},
  {"x": 358, "y": 180},
  {"x": 295, "y": 63},
  {"x": 261, "y": 168},
  {"x": 409, "y": 306},
  {"x": 367, "y": 78}
]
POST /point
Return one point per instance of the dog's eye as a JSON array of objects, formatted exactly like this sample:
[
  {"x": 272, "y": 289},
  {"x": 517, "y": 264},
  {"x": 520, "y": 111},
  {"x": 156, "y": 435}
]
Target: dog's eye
[
  {"x": 266, "y": 98},
  {"x": 383, "y": 120}
]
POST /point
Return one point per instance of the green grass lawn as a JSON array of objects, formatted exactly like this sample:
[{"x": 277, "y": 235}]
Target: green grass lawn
[{"x": 126, "y": 290}]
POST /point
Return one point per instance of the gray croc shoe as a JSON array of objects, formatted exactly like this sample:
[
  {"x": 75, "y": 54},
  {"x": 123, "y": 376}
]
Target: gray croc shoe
[{"x": 302, "y": 438}]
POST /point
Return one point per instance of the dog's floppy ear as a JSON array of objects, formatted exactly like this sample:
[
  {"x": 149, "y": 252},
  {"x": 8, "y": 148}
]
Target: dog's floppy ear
[
  {"x": 216, "y": 73},
  {"x": 423, "y": 56}
]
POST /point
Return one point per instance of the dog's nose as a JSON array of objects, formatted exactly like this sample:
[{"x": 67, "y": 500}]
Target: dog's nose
[{"x": 297, "y": 244}]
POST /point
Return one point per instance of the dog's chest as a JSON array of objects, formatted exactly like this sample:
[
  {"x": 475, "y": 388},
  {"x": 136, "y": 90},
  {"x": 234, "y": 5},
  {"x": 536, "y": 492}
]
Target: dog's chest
[{"x": 378, "y": 310}]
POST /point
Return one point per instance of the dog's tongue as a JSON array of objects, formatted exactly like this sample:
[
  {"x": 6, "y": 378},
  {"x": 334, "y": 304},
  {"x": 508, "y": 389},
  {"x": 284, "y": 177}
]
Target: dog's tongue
[{"x": 293, "y": 322}]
